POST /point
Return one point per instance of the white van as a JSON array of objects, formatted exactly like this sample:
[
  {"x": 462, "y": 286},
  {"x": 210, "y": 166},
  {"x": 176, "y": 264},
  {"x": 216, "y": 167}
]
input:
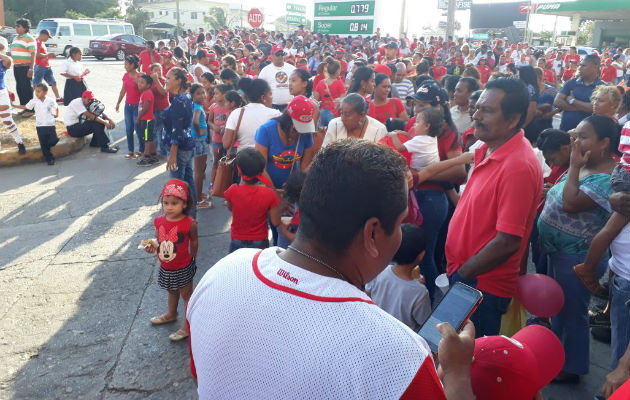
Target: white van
[{"x": 66, "y": 33}]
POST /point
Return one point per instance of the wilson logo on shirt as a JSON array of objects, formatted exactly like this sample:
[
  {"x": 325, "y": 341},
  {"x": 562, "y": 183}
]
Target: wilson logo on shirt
[{"x": 286, "y": 275}]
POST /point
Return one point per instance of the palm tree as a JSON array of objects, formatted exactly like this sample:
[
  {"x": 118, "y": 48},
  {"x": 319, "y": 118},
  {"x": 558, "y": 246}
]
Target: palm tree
[{"x": 216, "y": 18}]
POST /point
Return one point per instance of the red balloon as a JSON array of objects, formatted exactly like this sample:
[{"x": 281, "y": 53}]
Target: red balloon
[{"x": 540, "y": 294}]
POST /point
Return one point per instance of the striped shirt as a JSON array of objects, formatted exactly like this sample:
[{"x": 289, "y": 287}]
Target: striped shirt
[
  {"x": 22, "y": 49},
  {"x": 624, "y": 146}
]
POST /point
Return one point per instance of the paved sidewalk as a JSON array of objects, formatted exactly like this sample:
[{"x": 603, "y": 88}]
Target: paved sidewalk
[{"x": 76, "y": 294}]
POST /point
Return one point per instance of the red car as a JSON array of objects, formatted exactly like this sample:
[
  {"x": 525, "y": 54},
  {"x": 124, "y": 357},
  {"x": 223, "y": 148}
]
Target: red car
[{"x": 117, "y": 46}]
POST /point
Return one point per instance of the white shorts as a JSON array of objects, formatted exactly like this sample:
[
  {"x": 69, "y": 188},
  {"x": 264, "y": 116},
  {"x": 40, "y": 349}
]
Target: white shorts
[{"x": 5, "y": 100}]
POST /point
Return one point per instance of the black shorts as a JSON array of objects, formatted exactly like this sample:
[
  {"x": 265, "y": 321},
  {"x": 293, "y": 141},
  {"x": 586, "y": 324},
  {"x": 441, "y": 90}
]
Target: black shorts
[{"x": 146, "y": 130}]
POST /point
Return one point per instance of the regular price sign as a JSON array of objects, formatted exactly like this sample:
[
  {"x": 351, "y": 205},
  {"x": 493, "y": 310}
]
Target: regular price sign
[
  {"x": 345, "y": 9},
  {"x": 345, "y": 17},
  {"x": 340, "y": 27}
]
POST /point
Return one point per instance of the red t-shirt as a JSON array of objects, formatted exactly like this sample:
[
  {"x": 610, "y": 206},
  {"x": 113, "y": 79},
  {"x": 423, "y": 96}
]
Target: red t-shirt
[
  {"x": 609, "y": 73},
  {"x": 568, "y": 74},
  {"x": 391, "y": 109},
  {"x": 174, "y": 240},
  {"x": 571, "y": 57},
  {"x": 387, "y": 141},
  {"x": 336, "y": 89},
  {"x": 502, "y": 195},
  {"x": 131, "y": 87},
  {"x": 41, "y": 48},
  {"x": 146, "y": 59},
  {"x": 318, "y": 78},
  {"x": 250, "y": 207},
  {"x": 550, "y": 76},
  {"x": 438, "y": 73},
  {"x": 484, "y": 72},
  {"x": 214, "y": 66},
  {"x": 161, "y": 100},
  {"x": 147, "y": 96}
]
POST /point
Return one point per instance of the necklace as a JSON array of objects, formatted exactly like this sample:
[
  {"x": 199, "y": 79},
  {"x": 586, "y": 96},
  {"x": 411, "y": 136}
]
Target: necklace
[{"x": 330, "y": 267}]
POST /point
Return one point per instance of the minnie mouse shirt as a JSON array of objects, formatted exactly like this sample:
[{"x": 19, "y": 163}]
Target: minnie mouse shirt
[{"x": 173, "y": 239}]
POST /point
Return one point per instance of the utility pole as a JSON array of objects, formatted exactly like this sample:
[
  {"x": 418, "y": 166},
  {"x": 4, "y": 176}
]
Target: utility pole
[
  {"x": 177, "y": 12},
  {"x": 401, "y": 29},
  {"x": 450, "y": 19},
  {"x": 2, "y": 22}
]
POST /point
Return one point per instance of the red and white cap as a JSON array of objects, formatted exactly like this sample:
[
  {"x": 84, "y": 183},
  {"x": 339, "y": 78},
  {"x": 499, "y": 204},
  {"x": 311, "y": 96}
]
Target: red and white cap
[
  {"x": 301, "y": 110},
  {"x": 515, "y": 368},
  {"x": 177, "y": 188},
  {"x": 277, "y": 48}
]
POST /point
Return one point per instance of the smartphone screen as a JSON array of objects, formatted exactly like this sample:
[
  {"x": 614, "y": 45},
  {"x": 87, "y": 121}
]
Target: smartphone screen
[{"x": 455, "y": 308}]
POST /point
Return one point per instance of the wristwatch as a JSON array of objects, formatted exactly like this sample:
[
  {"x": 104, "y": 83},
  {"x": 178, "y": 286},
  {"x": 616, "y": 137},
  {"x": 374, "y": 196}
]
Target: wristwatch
[{"x": 571, "y": 101}]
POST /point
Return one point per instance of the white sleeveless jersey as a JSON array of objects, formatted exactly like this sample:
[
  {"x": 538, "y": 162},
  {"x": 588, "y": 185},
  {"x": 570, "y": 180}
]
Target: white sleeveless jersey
[{"x": 261, "y": 328}]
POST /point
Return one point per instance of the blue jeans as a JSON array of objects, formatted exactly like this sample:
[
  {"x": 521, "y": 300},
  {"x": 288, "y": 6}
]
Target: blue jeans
[
  {"x": 185, "y": 173},
  {"x": 538, "y": 257},
  {"x": 131, "y": 114},
  {"x": 43, "y": 73},
  {"x": 159, "y": 130},
  {"x": 619, "y": 318},
  {"x": 487, "y": 317},
  {"x": 434, "y": 207},
  {"x": 325, "y": 116},
  {"x": 571, "y": 324}
]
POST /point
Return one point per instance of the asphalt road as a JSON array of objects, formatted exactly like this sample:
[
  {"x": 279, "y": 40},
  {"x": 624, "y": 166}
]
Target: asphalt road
[{"x": 76, "y": 294}]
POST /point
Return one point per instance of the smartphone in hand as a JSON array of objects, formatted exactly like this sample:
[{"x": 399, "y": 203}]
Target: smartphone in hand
[{"x": 456, "y": 307}]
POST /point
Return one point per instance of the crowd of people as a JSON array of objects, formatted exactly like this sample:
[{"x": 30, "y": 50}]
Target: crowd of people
[{"x": 374, "y": 164}]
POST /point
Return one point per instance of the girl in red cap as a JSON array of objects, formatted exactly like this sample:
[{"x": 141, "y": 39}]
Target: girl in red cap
[{"x": 177, "y": 243}]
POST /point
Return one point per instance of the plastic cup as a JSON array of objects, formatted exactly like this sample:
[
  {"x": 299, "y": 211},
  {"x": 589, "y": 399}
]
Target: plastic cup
[{"x": 442, "y": 282}]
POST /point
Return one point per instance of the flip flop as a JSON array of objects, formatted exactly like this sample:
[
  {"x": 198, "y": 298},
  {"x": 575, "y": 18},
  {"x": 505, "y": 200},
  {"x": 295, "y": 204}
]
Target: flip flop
[
  {"x": 161, "y": 320},
  {"x": 178, "y": 336},
  {"x": 205, "y": 204}
]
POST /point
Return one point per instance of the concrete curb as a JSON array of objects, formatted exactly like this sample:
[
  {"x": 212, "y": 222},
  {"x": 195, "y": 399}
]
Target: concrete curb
[{"x": 65, "y": 147}]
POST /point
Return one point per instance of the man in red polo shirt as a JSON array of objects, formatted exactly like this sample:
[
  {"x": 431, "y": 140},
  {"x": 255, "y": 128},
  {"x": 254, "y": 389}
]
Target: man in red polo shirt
[{"x": 488, "y": 232}]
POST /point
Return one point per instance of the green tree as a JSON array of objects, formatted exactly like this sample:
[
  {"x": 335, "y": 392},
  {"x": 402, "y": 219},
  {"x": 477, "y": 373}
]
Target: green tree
[
  {"x": 585, "y": 32},
  {"x": 137, "y": 17},
  {"x": 216, "y": 18},
  {"x": 54, "y": 8},
  {"x": 112, "y": 12},
  {"x": 74, "y": 15}
]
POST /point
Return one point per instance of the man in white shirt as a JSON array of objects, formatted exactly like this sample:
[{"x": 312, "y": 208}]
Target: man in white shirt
[
  {"x": 459, "y": 112},
  {"x": 280, "y": 324},
  {"x": 80, "y": 122},
  {"x": 277, "y": 76}
]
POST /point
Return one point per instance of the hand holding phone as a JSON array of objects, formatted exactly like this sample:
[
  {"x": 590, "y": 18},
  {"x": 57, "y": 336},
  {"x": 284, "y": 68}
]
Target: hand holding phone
[{"x": 458, "y": 304}]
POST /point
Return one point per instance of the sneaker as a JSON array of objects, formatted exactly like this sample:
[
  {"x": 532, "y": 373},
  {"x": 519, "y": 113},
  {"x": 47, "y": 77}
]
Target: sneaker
[
  {"x": 60, "y": 100},
  {"x": 21, "y": 148},
  {"x": 108, "y": 149},
  {"x": 154, "y": 160},
  {"x": 51, "y": 161},
  {"x": 145, "y": 162}
]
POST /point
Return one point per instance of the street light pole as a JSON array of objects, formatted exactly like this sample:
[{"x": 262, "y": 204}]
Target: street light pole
[
  {"x": 2, "y": 22},
  {"x": 450, "y": 19},
  {"x": 177, "y": 12}
]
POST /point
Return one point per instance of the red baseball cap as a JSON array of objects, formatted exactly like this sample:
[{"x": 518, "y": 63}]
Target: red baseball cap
[
  {"x": 515, "y": 368},
  {"x": 277, "y": 48},
  {"x": 608, "y": 61},
  {"x": 87, "y": 95},
  {"x": 383, "y": 69},
  {"x": 167, "y": 54},
  {"x": 340, "y": 50},
  {"x": 301, "y": 110}
]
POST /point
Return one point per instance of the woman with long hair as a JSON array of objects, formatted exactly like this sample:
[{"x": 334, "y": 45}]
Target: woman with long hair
[
  {"x": 362, "y": 83},
  {"x": 383, "y": 106}
]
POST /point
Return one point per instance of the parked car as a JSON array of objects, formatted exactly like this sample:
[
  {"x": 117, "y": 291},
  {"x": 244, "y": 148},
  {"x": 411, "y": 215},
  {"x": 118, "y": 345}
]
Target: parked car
[{"x": 117, "y": 46}]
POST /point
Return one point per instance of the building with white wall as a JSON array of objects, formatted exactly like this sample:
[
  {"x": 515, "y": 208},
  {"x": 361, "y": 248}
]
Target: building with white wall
[{"x": 192, "y": 13}]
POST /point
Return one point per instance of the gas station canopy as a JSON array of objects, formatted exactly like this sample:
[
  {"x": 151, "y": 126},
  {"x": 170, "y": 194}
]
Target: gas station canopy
[{"x": 591, "y": 9}]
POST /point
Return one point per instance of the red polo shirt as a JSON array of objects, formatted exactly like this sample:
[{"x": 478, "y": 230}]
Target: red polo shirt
[{"x": 501, "y": 195}]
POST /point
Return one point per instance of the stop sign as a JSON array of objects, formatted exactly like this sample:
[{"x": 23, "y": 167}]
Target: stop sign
[{"x": 255, "y": 17}]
